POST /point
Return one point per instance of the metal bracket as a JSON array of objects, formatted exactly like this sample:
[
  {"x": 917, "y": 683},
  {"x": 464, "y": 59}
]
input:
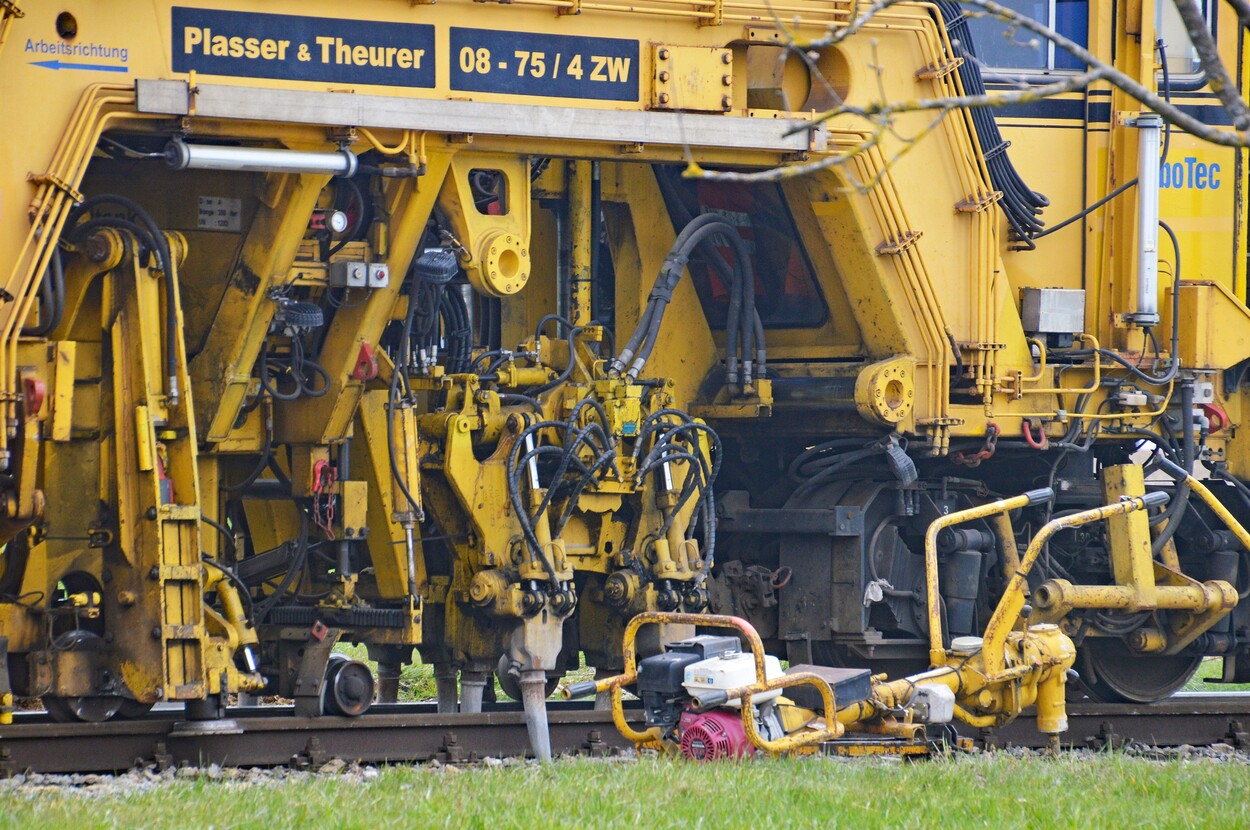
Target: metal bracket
[
  {"x": 839, "y": 520},
  {"x": 161, "y": 758},
  {"x": 56, "y": 182},
  {"x": 718, "y": 14},
  {"x": 312, "y": 758},
  {"x": 977, "y": 204},
  {"x": 1106, "y": 737},
  {"x": 312, "y": 669},
  {"x": 595, "y": 746},
  {"x": 939, "y": 70},
  {"x": 451, "y": 752},
  {"x": 1237, "y": 735},
  {"x": 890, "y": 247}
]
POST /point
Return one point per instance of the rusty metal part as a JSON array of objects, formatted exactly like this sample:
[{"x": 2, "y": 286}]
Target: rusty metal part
[
  {"x": 271, "y": 736},
  {"x": 1186, "y": 719},
  {"x": 406, "y": 733}
]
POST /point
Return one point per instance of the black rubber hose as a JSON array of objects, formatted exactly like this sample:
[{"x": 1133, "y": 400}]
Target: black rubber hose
[
  {"x": 1086, "y": 211},
  {"x": 547, "y": 318},
  {"x": 267, "y": 383},
  {"x": 292, "y": 573},
  {"x": 674, "y": 264},
  {"x": 1175, "y": 511},
  {"x": 398, "y": 375},
  {"x": 1021, "y": 205},
  {"x": 723, "y": 268},
  {"x": 266, "y": 455},
  {"x": 52, "y": 298}
]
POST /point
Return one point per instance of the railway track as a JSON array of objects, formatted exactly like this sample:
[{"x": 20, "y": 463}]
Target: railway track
[{"x": 403, "y": 733}]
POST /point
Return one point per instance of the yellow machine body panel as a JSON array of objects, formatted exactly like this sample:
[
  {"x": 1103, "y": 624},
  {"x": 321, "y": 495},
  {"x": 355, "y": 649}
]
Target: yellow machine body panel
[{"x": 479, "y": 329}]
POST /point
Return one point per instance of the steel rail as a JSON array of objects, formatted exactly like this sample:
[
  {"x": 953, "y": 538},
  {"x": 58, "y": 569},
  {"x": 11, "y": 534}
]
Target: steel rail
[
  {"x": 406, "y": 733},
  {"x": 274, "y": 736}
]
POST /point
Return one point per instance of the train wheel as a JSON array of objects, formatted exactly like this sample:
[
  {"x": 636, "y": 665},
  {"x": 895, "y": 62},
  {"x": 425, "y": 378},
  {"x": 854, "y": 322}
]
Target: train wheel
[
  {"x": 133, "y": 709},
  {"x": 1111, "y": 672},
  {"x": 349, "y": 687},
  {"x": 81, "y": 709}
]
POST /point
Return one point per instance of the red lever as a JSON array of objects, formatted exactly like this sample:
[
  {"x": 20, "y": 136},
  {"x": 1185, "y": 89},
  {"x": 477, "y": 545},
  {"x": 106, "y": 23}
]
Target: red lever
[{"x": 33, "y": 392}]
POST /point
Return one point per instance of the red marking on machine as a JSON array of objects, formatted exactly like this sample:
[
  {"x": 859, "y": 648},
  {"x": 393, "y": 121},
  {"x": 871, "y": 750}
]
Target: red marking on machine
[{"x": 366, "y": 364}]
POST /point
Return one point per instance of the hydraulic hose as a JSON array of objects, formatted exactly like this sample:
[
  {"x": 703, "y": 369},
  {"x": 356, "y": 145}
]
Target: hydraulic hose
[
  {"x": 1176, "y": 508},
  {"x": 52, "y": 297},
  {"x": 717, "y": 261},
  {"x": 741, "y": 307}
]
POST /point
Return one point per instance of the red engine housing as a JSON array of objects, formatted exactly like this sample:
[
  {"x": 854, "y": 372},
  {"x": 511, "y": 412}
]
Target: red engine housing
[{"x": 713, "y": 735}]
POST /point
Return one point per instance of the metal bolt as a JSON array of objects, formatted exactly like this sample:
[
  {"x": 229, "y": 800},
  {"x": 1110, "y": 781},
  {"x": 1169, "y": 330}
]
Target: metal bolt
[
  {"x": 663, "y": 54},
  {"x": 725, "y": 58},
  {"x": 726, "y": 102},
  {"x": 150, "y": 514},
  {"x": 663, "y": 76},
  {"x": 97, "y": 248},
  {"x": 154, "y": 573},
  {"x": 156, "y": 632},
  {"x": 727, "y": 80},
  {"x": 663, "y": 97}
]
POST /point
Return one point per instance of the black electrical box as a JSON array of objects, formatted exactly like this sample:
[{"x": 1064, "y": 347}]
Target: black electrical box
[
  {"x": 849, "y": 686},
  {"x": 706, "y": 646},
  {"x": 660, "y": 677}
]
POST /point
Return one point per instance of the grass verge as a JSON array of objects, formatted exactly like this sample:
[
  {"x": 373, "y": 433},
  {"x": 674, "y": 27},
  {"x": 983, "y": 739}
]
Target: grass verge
[
  {"x": 1213, "y": 667},
  {"x": 996, "y": 791}
]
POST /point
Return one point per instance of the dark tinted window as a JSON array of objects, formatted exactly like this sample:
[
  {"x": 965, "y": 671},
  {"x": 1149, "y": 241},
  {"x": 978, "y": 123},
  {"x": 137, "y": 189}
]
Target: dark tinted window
[{"x": 786, "y": 292}]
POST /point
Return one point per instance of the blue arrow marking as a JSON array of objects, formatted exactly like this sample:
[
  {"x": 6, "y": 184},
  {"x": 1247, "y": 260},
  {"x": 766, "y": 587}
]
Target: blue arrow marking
[{"x": 99, "y": 67}]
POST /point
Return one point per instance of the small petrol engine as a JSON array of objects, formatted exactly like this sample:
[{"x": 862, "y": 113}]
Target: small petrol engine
[{"x": 673, "y": 684}]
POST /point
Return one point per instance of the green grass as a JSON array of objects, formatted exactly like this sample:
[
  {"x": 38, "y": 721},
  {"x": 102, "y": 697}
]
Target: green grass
[
  {"x": 997, "y": 791},
  {"x": 1213, "y": 667},
  {"x": 416, "y": 680}
]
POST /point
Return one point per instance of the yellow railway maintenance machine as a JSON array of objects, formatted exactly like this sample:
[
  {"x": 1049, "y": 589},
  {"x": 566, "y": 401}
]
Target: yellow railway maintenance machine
[{"x": 435, "y": 326}]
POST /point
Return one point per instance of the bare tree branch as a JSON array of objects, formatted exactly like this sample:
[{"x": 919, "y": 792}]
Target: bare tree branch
[
  {"x": 1242, "y": 8},
  {"x": 1217, "y": 76},
  {"x": 1130, "y": 86}
]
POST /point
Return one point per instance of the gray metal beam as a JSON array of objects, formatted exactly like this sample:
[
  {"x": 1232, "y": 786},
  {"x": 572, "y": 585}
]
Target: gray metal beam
[{"x": 479, "y": 117}]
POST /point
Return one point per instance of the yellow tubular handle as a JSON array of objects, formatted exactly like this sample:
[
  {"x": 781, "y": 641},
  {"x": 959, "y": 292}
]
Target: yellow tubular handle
[
  {"x": 936, "y": 651},
  {"x": 833, "y": 728},
  {"x": 1217, "y": 507},
  {"x": 1008, "y": 610}
]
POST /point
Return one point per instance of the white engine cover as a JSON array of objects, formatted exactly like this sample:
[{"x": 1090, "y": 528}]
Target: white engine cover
[{"x": 729, "y": 671}]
